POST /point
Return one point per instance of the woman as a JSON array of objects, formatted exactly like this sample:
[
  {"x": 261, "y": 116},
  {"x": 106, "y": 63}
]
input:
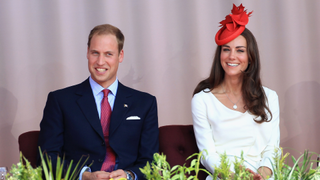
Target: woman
[{"x": 232, "y": 112}]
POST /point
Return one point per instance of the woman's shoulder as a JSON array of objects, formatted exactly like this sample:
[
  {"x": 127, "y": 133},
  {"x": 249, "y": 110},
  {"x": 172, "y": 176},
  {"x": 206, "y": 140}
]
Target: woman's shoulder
[
  {"x": 202, "y": 93},
  {"x": 270, "y": 94},
  {"x": 269, "y": 91},
  {"x": 201, "y": 96}
]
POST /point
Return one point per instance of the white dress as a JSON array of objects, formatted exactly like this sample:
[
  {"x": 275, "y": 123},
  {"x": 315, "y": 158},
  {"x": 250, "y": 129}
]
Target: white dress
[{"x": 219, "y": 129}]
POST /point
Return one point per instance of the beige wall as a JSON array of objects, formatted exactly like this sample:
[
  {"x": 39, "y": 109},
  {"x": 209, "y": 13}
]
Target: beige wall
[{"x": 168, "y": 50}]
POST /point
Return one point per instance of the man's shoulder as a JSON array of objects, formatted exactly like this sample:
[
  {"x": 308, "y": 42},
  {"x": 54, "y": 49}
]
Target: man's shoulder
[
  {"x": 128, "y": 90},
  {"x": 72, "y": 88}
]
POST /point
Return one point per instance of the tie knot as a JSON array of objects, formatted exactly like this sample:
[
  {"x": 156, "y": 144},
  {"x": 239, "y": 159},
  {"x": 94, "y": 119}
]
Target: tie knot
[{"x": 105, "y": 92}]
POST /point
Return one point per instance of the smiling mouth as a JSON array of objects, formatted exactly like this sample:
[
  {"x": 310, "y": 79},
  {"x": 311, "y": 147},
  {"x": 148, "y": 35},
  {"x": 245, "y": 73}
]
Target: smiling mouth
[
  {"x": 233, "y": 65},
  {"x": 101, "y": 70}
]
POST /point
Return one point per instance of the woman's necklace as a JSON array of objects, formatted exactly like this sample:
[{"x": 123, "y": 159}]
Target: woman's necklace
[{"x": 234, "y": 104}]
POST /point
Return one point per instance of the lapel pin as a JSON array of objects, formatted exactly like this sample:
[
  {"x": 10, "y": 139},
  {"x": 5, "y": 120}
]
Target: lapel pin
[{"x": 125, "y": 105}]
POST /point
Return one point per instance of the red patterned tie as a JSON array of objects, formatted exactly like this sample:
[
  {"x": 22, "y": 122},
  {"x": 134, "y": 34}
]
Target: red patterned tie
[{"x": 110, "y": 160}]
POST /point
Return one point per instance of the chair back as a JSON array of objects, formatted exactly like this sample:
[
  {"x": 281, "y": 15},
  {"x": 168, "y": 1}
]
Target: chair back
[
  {"x": 28, "y": 145},
  {"x": 178, "y": 142}
]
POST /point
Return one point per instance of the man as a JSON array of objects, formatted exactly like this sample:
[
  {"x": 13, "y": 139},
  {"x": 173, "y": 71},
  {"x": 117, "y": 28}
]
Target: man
[{"x": 75, "y": 122}]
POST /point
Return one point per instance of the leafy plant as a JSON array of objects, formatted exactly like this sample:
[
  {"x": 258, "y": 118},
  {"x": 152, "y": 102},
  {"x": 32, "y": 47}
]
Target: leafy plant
[
  {"x": 183, "y": 172},
  {"x": 26, "y": 172},
  {"x": 21, "y": 171},
  {"x": 301, "y": 169},
  {"x": 159, "y": 169},
  {"x": 223, "y": 171},
  {"x": 48, "y": 171}
]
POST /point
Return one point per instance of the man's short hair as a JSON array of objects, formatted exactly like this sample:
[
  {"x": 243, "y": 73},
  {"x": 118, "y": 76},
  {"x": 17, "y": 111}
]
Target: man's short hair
[{"x": 106, "y": 29}]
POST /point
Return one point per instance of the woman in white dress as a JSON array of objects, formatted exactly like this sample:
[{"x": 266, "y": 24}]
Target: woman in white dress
[{"x": 232, "y": 112}]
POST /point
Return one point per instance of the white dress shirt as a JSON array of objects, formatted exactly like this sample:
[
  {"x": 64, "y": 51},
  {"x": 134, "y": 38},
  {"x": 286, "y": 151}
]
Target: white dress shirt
[{"x": 98, "y": 94}]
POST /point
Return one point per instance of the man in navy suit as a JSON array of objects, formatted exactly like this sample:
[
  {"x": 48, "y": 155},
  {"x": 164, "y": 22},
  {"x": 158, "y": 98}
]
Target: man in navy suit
[{"x": 71, "y": 121}]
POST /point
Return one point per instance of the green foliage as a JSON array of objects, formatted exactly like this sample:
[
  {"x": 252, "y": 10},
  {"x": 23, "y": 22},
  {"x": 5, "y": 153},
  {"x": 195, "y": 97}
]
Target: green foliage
[
  {"x": 239, "y": 169},
  {"x": 224, "y": 172},
  {"x": 26, "y": 172},
  {"x": 48, "y": 171},
  {"x": 160, "y": 169},
  {"x": 224, "y": 169},
  {"x": 195, "y": 166},
  {"x": 301, "y": 169}
]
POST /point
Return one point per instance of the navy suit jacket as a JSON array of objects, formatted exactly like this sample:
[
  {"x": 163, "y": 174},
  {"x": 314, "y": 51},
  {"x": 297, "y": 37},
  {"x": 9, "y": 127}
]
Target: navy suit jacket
[{"x": 71, "y": 127}]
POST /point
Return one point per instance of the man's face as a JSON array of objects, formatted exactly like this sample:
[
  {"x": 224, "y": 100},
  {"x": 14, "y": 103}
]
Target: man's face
[{"x": 103, "y": 59}]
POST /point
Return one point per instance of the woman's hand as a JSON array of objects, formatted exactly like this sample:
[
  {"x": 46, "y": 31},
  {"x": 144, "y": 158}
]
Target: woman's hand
[
  {"x": 265, "y": 172},
  {"x": 256, "y": 176}
]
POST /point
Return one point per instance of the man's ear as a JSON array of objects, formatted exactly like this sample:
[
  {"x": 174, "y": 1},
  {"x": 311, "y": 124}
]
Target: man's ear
[
  {"x": 88, "y": 52},
  {"x": 121, "y": 56}
]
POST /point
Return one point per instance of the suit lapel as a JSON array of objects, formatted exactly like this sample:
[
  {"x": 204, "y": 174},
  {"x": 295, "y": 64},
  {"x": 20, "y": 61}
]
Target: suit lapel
[
  {"x": 87, "y": 104},
  {"x": 120, "y": 108}
]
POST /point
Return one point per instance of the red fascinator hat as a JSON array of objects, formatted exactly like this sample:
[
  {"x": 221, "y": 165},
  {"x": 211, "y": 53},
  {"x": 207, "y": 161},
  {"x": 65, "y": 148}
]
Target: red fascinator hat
[{"x": 233, "y": 25}]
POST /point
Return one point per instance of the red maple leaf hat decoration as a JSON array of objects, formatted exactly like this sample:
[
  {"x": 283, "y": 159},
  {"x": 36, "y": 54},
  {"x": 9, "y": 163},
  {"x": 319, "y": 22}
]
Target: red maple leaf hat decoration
[{"x": 233, "y": 25}]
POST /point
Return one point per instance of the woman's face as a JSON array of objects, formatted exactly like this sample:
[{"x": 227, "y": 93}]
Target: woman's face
[{"x": 234, "y": 57}]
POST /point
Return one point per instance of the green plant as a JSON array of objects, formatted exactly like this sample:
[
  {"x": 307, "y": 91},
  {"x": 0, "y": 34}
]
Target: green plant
[
  {"x": 26, "y": 172},
  {"x": 301, "y": 169},
  {"x": 159, "y": 169},
  {"x": 181, "y": 172},
  {"x": 239, "y": 169},
  {"x": 22, "y": 172},
  {"x": 224, "y": 172},
  {"x": 48, "y": 171}
]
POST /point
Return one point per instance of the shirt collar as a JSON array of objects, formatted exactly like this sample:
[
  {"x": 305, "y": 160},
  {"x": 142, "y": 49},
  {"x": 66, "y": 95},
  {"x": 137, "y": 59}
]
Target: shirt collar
[{"x": 97, "y": 88}]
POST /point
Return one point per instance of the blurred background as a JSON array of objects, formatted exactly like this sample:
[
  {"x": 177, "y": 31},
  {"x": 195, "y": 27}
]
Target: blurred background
[{"x": 169, "y": 48}]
